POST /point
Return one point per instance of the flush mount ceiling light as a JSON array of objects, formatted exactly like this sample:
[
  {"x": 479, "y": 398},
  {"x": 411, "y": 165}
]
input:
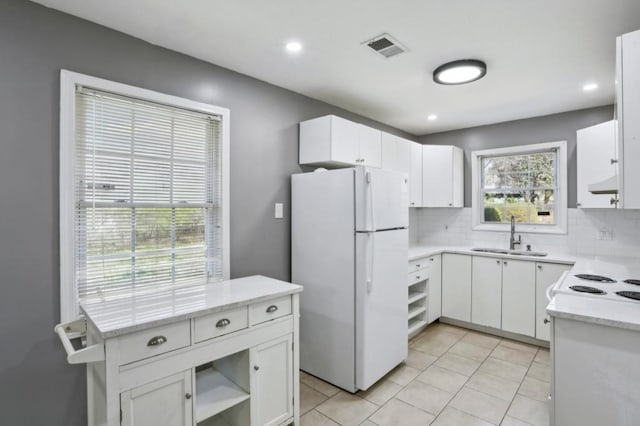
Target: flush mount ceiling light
[
  {"x": 293, "y": 47},
  {"x": 460, "y": 72},
  {"x": 590, "y": 87},
  {"x": 432, "y": 117}
]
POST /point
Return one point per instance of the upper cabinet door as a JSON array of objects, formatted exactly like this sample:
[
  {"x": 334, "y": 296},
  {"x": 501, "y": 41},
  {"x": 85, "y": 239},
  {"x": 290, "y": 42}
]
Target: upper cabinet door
[
  {"x": 415, "y": 175},
  {"x": 329, "y": 141},
  {"x": 370, "y": 146},
  {"x": 596, "y": 150},
  {"x": 442, "y": 176},
  {"x": 396, "y": 153},
  {"x": 628, "y": 109}
]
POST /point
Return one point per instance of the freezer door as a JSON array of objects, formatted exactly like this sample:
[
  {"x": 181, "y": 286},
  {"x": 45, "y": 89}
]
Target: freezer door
[
  {"x": 381, "y": 304},
  {"x": 382, "y": 199}
]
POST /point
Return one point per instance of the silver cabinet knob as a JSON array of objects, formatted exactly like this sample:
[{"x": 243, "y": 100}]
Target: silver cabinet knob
[
  {"x": 614, "y": 161},
  {"x": 223, "y": 323},
  {"x": 505, "y": 262},
  {"x": 188, "y": 395},
  {"x": 255, "y": 367},
  {"x": 498, "y": 262},
  {"x": 157, "y": 340},
  {"x": 546, "y": 321},
  {"x": 540, "y": 267},
  {"x": 271, "y": 309}
]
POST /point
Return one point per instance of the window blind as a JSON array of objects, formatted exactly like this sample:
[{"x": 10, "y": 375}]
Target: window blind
[{"x": 147, "y": 196}]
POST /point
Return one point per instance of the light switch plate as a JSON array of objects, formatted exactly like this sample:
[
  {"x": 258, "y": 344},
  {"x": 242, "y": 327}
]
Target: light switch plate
[{"x": 279, "y": 214}]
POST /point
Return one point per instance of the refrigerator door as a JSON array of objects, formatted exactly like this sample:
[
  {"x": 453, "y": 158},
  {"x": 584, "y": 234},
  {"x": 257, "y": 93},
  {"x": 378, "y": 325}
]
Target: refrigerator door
[
  {"x": 381, "y": 304},
  {"x": 322, "y": 260},
  {"x": 382, "y": 199}
]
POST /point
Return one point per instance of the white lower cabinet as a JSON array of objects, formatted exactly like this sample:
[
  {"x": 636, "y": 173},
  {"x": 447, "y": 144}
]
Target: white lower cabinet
[
  {"x": 272, "y": 382},
  {"x": 424, "y": 292},
  {"x": 546, "y": 275},
  {"x": 168, "y": 402},
  {"x": 518, "y": 297},
  {"x": 434, "y": 289},
  {"x": 486, "y": 292},
  {"x": 456, "y": 286}
]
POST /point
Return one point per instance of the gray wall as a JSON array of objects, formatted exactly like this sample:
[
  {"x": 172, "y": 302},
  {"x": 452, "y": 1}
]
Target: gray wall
[
  {"x": 547, "y": 128},
  {"x": 37, "y": 387}
]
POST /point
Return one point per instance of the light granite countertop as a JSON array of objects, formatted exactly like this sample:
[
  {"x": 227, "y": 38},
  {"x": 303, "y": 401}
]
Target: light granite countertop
[{"x": 138, "y": 312}]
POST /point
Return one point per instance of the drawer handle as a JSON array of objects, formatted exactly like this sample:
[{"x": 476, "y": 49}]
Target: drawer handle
[
  {"x": 417, "y": 265},
  {"x": 271, "y": 309},
  {"x": 157, "y": 340},
  {"x": 417, "y": 277},
  {"x": 431, "y": 259},
  {"x": 223, "y": 323}
]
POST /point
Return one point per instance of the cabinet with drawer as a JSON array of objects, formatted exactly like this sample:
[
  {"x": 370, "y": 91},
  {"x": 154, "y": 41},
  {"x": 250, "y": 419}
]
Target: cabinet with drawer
[
  {"x": 424, "y": 292},
  {"x": 234, "y": 366}
]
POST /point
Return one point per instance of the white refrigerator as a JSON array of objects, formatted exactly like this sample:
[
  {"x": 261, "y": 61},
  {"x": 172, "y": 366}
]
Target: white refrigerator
[{"x": 349, "y": 249}]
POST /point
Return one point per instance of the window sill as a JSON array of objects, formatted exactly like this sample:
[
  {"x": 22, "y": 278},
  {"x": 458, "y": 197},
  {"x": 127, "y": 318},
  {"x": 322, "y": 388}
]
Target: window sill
[{"x": 521, "y": 229}]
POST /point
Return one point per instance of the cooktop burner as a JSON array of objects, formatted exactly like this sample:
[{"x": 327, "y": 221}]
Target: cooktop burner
[
  {"x": 598, "y": 278},
  {"x": 635, "y": 295},
  {"x": 635, "y": 282},
  {"x": 591, "y": 290}
]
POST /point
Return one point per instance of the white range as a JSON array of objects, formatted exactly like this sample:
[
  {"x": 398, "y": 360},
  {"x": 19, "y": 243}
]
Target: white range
[{"x": 595, "y": 344}]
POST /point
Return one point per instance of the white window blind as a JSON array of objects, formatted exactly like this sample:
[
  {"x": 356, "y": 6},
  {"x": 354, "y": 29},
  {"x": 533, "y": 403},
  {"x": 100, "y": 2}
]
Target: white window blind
[{"x": 147, "y": 196}]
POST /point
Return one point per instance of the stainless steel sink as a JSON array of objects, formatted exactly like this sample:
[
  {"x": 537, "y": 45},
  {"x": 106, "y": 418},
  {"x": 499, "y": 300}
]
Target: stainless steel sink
[{"x": 510, "y": 252}]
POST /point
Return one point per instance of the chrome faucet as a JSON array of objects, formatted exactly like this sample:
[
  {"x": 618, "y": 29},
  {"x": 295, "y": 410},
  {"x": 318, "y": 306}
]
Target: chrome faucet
[{"x": 512, "y": 241}]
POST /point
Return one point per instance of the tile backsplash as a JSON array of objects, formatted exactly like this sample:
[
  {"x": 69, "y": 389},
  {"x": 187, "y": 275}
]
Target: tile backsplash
[{"x": 590, "y": 232}]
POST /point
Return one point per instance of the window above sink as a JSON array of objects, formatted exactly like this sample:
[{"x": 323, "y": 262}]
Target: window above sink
[{"x": 528, "y": 182}]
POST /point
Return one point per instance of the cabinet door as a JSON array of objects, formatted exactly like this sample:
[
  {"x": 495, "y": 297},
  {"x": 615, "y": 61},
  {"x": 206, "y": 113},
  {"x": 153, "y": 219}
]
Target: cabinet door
[
  {"x": 456, "y": 286},
  {"x": 434, "y": 290},
  {"x": 415, "y": 175},
  {"x": 272, "y": 382},
  {"x": 546, "y": 275},
  {"x": 596, "y": 148},
  {"x": 518, "y": 296},
  {"x": 344, "y": 140},
  {"x": 628, "y": 111},
  {"x": 370, "y": 146},
  {"x": 486, "y": 291},
  {"x": 166, "y": 402},
  {"x": 437, "y": 176}
]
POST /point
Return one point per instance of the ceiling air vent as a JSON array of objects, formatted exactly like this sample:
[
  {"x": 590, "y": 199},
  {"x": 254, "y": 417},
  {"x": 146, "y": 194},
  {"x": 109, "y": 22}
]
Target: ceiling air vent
[{"x": 385, "y": 45}]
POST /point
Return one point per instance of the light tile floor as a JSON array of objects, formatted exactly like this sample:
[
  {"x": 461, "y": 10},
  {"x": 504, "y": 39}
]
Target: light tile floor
[{"x": 452, "y": 377}]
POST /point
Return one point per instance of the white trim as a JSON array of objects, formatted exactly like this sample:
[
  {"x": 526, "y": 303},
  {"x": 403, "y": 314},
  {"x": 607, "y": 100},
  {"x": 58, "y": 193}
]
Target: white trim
[
  {"x": 561, "y": 195},
  {"x": 68, "y": 82}
]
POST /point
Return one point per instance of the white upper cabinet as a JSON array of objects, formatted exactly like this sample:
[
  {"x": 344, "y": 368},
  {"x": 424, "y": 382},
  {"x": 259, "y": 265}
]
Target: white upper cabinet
[
  {"x": 415, "y": 175},
  {"x": 396, "y": 153},
  {"x": 332, "y": 141},
  {"x": 442, "y": 176},
  {"x": 628, "y": 112},
  {"x": 597, "y": 158}
]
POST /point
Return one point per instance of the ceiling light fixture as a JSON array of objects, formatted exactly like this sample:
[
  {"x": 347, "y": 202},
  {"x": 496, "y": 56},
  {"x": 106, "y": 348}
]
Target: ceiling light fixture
[
  {"x": 460, "y": 72},
  {"x": 432, "y": 117},
  {"x": 293, "y": 47},
  {"x": 590, "y": 87}
]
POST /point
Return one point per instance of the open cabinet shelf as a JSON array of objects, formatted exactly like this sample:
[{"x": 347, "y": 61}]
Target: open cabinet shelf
[
  {"x": 415, "y": 325},
  {"x": 215, "y": 393},
  {"x": 414, "y": 296}
]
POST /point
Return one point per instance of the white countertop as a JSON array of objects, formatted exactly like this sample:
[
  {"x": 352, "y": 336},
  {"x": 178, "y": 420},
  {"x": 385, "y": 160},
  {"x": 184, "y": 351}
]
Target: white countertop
[
  {"x": 418, "y": 251},
  {"x": 614, "y": 313},
  {"x": 138, "y": 312}
]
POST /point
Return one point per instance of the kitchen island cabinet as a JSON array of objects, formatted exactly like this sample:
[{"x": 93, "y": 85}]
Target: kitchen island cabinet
[{"x": 224, "y": 353}]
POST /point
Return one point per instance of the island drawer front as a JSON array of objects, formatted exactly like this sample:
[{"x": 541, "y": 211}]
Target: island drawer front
[
  {"x": 214, "y": 325},
  {"x": 422, "y": 263},
  {"x": 270, "y": 309},
  {"x": 154, "y": 341}
]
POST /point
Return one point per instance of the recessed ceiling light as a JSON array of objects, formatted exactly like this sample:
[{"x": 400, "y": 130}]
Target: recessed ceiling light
[
  {"x": 460, "y": 72},
  {"x": 432, "y": 117},
  {"x": 589, "y": 87},
  {"x": 293, "y": 47}
]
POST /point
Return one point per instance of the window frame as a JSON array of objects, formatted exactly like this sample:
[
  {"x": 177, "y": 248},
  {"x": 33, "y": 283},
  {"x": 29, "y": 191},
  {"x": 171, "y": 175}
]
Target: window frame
[
  {"x": 69, "y": 80},
  {"x": 561, "y": 196}
]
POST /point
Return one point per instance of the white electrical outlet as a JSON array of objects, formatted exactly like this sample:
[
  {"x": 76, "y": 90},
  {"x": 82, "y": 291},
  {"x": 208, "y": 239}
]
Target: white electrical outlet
[{"x": 279, "y": 213}]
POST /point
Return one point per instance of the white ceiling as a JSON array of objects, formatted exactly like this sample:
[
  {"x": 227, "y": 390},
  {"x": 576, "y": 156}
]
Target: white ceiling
[{"x": 539, "y": 52}]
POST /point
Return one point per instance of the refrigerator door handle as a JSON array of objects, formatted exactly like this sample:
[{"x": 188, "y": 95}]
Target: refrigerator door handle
[
  {"x": 370, "y": 261},
  {"x": 372, "y": 224}
]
